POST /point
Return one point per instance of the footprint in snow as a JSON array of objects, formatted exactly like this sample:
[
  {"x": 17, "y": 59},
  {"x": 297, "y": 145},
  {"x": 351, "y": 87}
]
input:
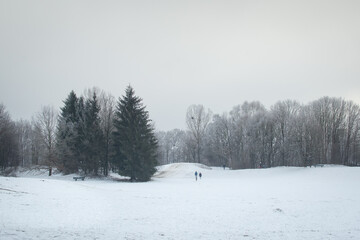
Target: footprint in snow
[{"x": 278, "y": 210}]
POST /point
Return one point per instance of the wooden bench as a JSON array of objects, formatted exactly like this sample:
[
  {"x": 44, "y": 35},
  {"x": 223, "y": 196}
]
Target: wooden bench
[{"x": 78, "y": 178}]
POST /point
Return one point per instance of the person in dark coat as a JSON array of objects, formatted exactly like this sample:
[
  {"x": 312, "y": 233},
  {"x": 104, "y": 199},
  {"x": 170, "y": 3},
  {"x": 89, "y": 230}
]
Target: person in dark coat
[{"x": 200, "y": 175}]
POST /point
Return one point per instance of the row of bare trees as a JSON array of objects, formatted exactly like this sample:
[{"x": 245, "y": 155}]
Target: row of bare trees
[
  {"x": 325, "y": 131},
  {"x": 25, "y": 143}
]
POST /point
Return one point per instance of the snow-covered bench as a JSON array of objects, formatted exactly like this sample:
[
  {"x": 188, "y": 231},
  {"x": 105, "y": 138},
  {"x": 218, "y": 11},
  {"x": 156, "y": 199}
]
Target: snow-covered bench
[
  {"x": 319, "y": 165},
  {"x": 78, "y": 178}
]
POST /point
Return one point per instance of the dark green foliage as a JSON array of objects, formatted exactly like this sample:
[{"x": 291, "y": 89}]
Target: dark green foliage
[
  {"x": 135, "y": 145},
  {"x": 92, "y": 140},
  {"x": 67, "y": 135},
  {"x": 80, "y": 139}
]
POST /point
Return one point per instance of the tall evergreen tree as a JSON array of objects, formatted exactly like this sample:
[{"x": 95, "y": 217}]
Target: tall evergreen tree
[
  {"x": 92, "y": 141},
  {"x": 67, "y": 135},
  {"x": 135, "y": 145},
  {"x": 81, "y": 132}
]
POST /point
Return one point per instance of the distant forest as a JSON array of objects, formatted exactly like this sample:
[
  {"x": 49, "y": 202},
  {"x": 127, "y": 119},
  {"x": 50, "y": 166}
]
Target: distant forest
[{"x": 325, "y": 131}]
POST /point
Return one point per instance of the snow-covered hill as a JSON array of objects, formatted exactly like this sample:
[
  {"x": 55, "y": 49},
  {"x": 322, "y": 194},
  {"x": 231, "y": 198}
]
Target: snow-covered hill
[
  {"x": 279, "y": 203},
  {"x": 180, "y": 170}
]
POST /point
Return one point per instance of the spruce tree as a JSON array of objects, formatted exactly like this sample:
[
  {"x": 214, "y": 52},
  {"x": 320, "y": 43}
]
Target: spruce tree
[
  {"x": 92, "y": 144},
  {"x": 67, "y": 134},
  {"x": 135, "y": 145},
  {"x": 81, "y": 133}
]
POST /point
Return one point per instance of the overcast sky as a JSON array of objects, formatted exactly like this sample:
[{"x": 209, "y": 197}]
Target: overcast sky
[{"x": 178, "y": 53}]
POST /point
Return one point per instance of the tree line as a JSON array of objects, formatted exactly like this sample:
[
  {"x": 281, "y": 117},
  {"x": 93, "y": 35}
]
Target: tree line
[
  {"x": 94, "y": 134},
  {"x": 90, "y": 135},
  {"x": 325, "y": 131}
]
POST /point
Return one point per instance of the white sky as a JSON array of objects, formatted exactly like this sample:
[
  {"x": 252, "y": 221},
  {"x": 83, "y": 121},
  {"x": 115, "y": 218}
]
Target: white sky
[{"x": 178, "y": 53}]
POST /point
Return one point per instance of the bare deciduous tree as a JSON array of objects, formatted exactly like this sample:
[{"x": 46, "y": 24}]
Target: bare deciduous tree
[
  {"x": 45, "y": 123},
  {"x": 284, "y": 113},
  {"x": 352, "y": 127},
  {"x": 197, "y": 119},
  {"x": 220, "y": 140},
  {"x": 172, "y": 146},
  {"x": 9, "y": 154},
  {"x": 25, "y": 136}
]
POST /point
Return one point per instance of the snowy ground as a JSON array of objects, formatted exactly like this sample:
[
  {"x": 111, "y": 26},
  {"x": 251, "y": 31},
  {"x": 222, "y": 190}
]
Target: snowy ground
[{"x": 279, "y": 203}]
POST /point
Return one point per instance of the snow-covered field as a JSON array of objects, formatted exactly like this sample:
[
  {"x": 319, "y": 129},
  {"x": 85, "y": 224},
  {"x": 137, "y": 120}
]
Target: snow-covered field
[{"x": 279, "y": 203}]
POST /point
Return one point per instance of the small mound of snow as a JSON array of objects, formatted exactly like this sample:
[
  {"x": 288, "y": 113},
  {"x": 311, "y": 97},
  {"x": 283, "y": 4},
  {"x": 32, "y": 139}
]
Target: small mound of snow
[{"x": 180, "y": 170}]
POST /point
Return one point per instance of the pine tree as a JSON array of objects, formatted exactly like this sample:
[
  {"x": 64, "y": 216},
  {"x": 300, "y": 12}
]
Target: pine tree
[
  {"x": 135, "y": 145},
  {"x": 67, "y": 135},
  {"x": 81, "y": 132},
  {"x": 92, "y": 143}
]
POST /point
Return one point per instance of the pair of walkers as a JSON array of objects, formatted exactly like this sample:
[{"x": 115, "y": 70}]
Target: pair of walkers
[{"x": 196, "y": 175}]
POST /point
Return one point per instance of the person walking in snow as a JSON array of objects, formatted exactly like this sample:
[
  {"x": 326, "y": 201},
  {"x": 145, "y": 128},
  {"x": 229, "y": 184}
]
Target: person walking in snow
[
  {"x": 200, "y": 175},
  {"x": 196, "y": 173}
]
